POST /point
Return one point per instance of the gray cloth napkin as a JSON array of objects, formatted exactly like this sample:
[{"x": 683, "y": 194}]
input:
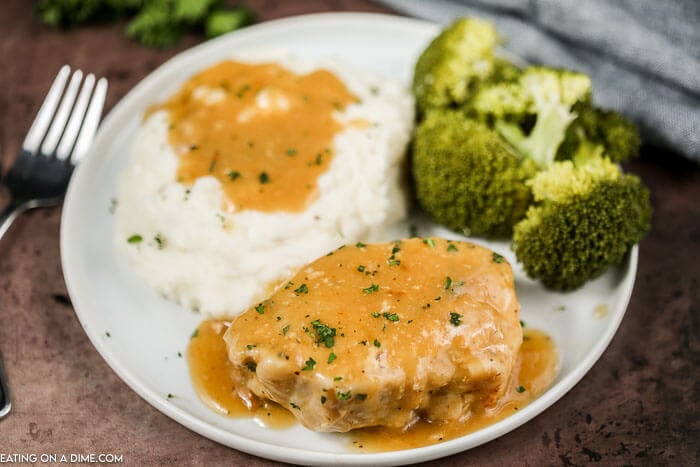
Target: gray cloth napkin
[{"x": 642, "y": 55}]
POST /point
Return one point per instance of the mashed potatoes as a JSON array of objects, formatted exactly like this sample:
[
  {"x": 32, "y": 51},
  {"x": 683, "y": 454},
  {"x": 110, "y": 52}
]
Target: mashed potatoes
[{"x": 204, "y": 249}]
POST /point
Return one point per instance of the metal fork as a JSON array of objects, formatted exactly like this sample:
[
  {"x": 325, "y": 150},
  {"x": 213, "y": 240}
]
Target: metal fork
[{"x": 58, "y": 139}]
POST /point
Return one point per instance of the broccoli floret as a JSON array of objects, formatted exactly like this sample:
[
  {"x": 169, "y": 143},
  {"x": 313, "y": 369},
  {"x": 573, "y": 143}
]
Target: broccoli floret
[
  {"x": 585, "y": 218},
  {"x": 534, "y": 113},
  {"x": 615, "y": 135},
  {"x": 467, "y": 177},
  {"x": 453, "y": 64}
]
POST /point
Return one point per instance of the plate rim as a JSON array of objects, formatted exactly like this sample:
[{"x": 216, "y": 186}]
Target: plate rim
[{"x": 260, "y": 448}]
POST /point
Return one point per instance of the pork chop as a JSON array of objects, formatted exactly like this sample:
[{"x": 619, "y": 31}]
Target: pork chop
[{"x": 382, "y": 335}]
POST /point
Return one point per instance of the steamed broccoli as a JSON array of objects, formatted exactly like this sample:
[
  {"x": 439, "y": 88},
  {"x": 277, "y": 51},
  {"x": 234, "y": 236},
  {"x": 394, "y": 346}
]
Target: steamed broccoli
[
  {"x": 586, "y": 216},
  {"x": 534, "y": 113},
  {"x": 456, "y": 62},
  {"x": 616, "y": 136},
  {"x": 467, "y": 177}
]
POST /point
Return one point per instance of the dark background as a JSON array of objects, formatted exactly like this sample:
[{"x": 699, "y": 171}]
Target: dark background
[{"x": 637, "y": 406}]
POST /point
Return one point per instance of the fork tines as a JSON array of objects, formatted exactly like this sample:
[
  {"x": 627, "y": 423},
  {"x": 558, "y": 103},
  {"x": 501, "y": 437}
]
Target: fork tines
[{"x": 68, "y": 118}]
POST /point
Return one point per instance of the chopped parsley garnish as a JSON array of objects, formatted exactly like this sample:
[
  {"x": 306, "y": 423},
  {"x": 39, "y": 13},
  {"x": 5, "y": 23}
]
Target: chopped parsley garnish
[
  {"x": 309, "y": 364},
  {"x": 264, "y": 178},
  {"x": 371, "y": 289},
  {"x": 522, "y": 323},
  {"x": 455, "y": 318},
  {"x": 250, "y": 346},
  {"x": 452, "y": 247},
  {"x": 136, "y": 238},
  {"x": 377, "y": 343},
  {"x": 301, "y": 289},
  {"x": 291, "y": 152},
  {"x": 160, "y": 241},
  {"x": 233, "y": 175},
  {"x": 324, "y": 333},
  {"x": 260, "y": 308},
  {"x": 194, "y": 147},
  {"x": 498, "y": 258},
  {"x": 252, "y": 366},
  {"x": 195, "y": 333},
  {"x": 429, "y": 241},
  {"x": 395, "y": 250},
  {"x": 361, "y": 268},
  {"x": 376, "y": 314},
  {"x": 323, "y": 399},
  {"x": 391, "y": 316},
  {"x": 360, "y": 245},
  {"x": 344, "y": 396},
  {"x": 338, "y": 378},
  {"x": 285, "y": 330},
  {"x": 520, "y": 389},
  {"x": 393, "y": 262},
  {"x": 448, "y": 282},
  {"x": 331, "y": 356},
  {"x": 361, "y": 396}
]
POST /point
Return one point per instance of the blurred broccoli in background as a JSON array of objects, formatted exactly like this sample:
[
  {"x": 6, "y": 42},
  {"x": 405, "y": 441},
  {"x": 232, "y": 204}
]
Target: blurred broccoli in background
[
  {"x": 523, "y": 153},
  {"x": 155, "y": 23}
]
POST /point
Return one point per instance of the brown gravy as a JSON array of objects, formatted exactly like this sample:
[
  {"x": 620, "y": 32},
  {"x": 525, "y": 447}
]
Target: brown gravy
[
  {"x": 264, "y": 132},
  {"x": 210, "y": 373}
]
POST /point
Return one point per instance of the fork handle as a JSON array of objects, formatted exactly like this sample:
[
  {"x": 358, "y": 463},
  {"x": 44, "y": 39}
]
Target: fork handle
[
  {"x": 8, "y": 215},
  {"x": 5, "y": 402}
]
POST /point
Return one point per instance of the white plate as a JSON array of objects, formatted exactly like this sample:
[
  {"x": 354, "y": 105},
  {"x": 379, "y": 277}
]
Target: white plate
[{"x": 140, "y": 334}]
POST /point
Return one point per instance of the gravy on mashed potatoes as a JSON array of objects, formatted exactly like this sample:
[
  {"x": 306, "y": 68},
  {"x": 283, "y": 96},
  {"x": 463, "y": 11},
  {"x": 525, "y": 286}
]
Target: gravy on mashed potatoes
[{"x": 252, "y": 169}]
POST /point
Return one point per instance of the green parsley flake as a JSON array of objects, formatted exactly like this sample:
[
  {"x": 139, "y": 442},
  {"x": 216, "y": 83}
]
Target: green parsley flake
[
  {"x": 455, "y": 318},
  {"x": 309, "y": 364},
  {"x": 429, "y": 241},
  {"x": 260, "y": 308},
  {"x": 520, "y": 389},
  {"x": 233, "y": 175},
  {"x": 301, "y": 289},
  {"x": 361, "y": 397},
  {"x": 136, "y": 238},
  {"x": 338, "y": 378},
  {"x": 291, "y": 152},
  {"x": 331, "y": 357},
  {"x": 285, "y": 330},
  {"x": 360, "y": 245},
  {"x": 371, "y": 289},
  {"x": 195, "y": 333},
  {"x": 344, "y": 396},
  {"x": 376, "y": 314},
  {"x": 391, "y": 316},
  {"x": 323, "y": 399},
  {"x": 452, "y": 247},
  {"x": 361, "y": 268},
  {"x": 394, "y": 262},
  {"x": 324, "y": 333},
  {"x": 252, "y": 366},
  {"x": 377, "y": 343},
  {"x": 448, "y": 282},
  {"x": 498, "y": 258},
  {"x": 264, "y": 178}
]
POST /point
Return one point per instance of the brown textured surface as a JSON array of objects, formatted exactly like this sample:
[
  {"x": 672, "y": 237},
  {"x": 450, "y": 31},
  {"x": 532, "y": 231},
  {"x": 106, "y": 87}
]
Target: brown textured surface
[{"x": 637, "y": 406}]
